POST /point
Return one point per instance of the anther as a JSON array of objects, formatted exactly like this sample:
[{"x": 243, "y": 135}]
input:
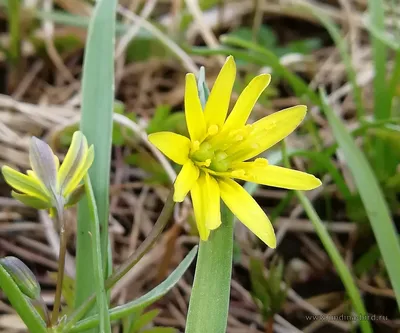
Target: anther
[
  {"x": 261, "y": 162},
  {"x": 195, "y": 146},
  {"x": 212, "y": 130}
]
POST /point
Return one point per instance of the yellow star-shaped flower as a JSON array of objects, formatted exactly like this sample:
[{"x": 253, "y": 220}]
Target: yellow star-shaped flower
[{"x": 221, "y": 147}]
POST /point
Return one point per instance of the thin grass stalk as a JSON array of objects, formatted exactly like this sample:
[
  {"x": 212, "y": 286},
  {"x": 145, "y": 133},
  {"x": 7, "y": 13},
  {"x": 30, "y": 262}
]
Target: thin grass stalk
[
  {"x": 382, "y": 103},
  {"x": 371, "y": 195},
  {"x": 334, "y": 254}
]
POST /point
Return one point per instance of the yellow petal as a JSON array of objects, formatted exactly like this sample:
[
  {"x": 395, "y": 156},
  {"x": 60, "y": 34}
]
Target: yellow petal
[
  {"x": 73, "y": 160},
  {"x": 80, "y": 172},
  {"x": 199, "y": 207},
  {"x": 185, "y": 180},
  {"x": 276, "y": 176},
  {"x": 193, "y": 111},
  {"x": 269, "y": 130},
  {"x": 246, "y": 209},
  {"x": 213, "y": 202},
  {"x": 246, "y": 101},
  {"x": 174, "y": 146},
  {"x": 218, "y": 102},
  {"x": 25, "y": 184}
]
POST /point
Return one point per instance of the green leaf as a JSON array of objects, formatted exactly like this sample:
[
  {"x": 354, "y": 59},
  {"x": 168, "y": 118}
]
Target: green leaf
[
  {"x": 160, "y": 330},
  {"x": 96, "y": 125},
  {"x": 119, "y": 133},
  {"x": 382, "y": 101},
  {"x": 143, "y": 320},
  {"x": 160, "y": 115},
  {"x": 372, "y": 197},
  {"x": 143, "y": 301},
  {"x": 21, "y": 303},
  {"x": 101, "y": 294}
]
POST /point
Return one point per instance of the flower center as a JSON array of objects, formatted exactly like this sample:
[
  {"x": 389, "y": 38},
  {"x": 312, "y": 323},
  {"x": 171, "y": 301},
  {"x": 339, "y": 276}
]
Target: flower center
[
  {"x": 221, "y": 149},
  {"x": 214, "y": 159}
]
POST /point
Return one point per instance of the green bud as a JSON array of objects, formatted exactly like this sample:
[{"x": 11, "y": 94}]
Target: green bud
[{"x": 22, "y": 276}]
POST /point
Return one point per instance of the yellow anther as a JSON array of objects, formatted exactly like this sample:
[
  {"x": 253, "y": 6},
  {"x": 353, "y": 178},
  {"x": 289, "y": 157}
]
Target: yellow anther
[
  {"x": 260, "y": 162},
  {"x": 195, "y": 146},
  {"x": 239, "y": 137},
  {"x": 212, "y": 130}
]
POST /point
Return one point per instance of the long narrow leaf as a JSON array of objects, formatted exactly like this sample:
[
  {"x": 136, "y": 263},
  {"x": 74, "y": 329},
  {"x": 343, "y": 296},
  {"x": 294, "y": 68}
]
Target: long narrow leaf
[
  {"x": 382, "y": 102},
  {"x": 96, "y": 124},
  {"x": 101, "y": 294},
  {"x": 344, "y": 53},
  {"x": 371, "y": 196},
  {"x": 338, "y": 261}
]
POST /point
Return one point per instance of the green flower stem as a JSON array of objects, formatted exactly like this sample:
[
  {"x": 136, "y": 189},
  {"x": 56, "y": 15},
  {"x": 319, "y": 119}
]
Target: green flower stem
[
  {"x": 130, "y": 262},
  {"x": 61, "y": 266},
  {"x": 209, "y": 301},
  {"x": 101, "y": 294}
]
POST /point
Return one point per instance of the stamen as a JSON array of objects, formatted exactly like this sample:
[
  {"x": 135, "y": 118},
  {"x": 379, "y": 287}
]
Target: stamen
[
  {"x": 212, "y": 130},
  {"x": 195, "y": 146},
  {"x": 261, "y": 162}
]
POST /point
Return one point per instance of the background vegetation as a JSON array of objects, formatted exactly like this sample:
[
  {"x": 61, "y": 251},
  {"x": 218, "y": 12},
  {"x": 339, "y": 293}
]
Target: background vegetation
[{"x": 341, "y": 58}]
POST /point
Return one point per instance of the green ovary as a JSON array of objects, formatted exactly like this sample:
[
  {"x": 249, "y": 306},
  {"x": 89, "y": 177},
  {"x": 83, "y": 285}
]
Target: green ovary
[{"x": 215, "y": 160}]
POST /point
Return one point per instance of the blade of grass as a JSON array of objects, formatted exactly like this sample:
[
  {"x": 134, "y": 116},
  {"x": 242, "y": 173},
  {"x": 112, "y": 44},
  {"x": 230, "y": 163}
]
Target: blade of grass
[
  {"x": 143, "y": 301},
  {"x": 334, "y": 254},
  {"x": 338, "y": 261},
  {"x": 299, "y": 86},
  {"x": 371, "y": 196},
  {"x": 342, "y": 46},
  {"x": 101, "y": 294},
  {"x": 96, "y": 124},
  {"x": 382, "y": 104}
]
